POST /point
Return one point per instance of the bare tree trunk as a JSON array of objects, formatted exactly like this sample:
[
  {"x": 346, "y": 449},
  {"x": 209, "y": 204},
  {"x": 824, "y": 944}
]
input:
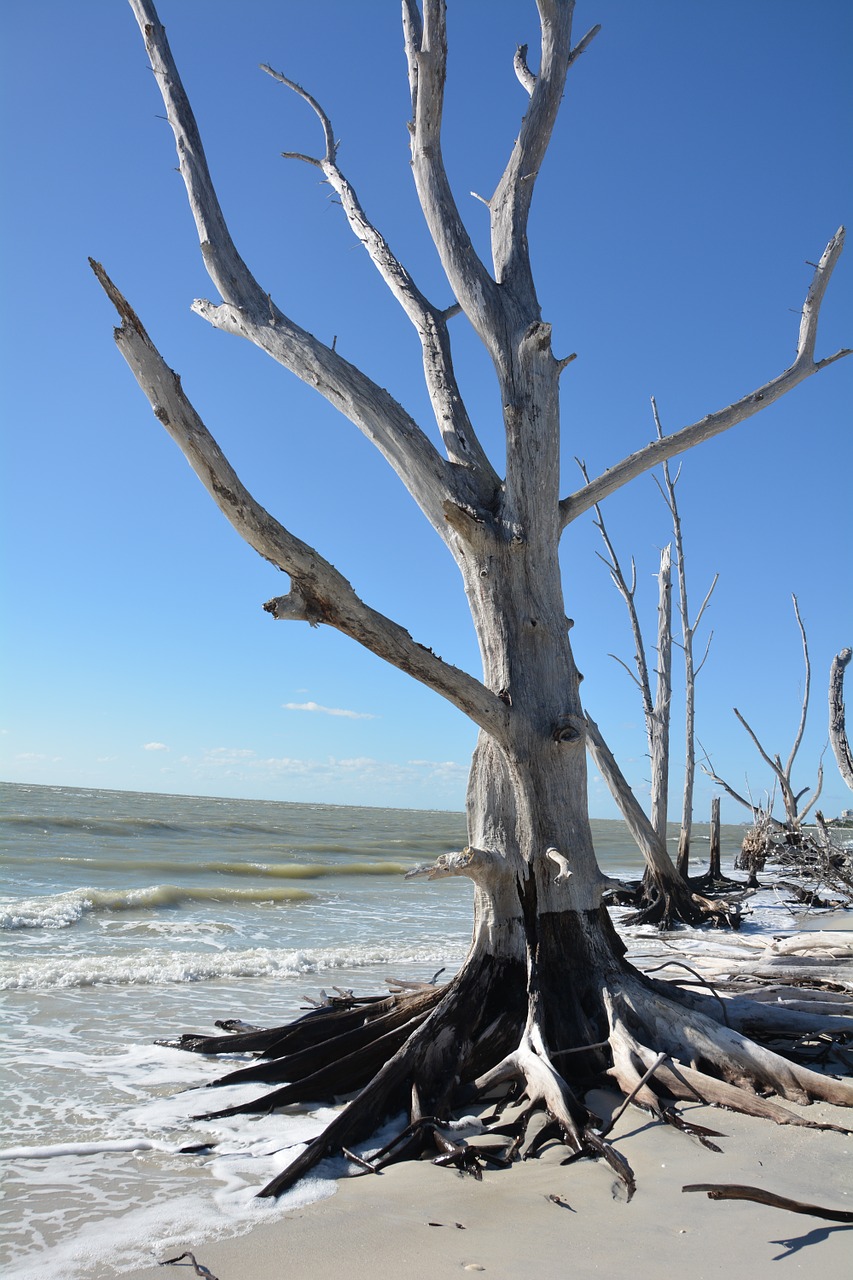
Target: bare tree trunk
[
  {"x": 837, "y": 729},
  {"x": 691, "y": 671},
  {"x": 545, "y": 1000},
  {"x": 714, "y": 854},
  {"x": 663, "y": 692}
]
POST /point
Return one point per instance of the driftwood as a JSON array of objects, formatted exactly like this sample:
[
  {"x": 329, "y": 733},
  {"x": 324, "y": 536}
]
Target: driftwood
[
  {"x": 837, "y": 727},
  {"x": 197, "y": 1267},
  {"x": 733, "y": 1191}
]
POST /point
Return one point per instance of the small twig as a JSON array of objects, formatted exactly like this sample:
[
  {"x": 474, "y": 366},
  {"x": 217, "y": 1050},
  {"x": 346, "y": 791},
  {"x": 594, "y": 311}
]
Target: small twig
[
  {"x": 623, "y": 1106},
  {"x": 360, "y": 1161},
  {"x": 197, "y": 1266},
  {"x": 581, "y": 1048},
  {"x": 699, "y": 978}
]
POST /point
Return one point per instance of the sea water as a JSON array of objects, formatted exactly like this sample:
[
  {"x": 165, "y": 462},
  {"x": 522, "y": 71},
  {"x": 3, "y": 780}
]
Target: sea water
[{"x": 128, "y": 918}]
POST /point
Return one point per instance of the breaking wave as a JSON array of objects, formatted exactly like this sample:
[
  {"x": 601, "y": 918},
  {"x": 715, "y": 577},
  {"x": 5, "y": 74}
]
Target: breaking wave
[
  {"x": 59, "y": 910},
  {"x": 148, "y": 968}
]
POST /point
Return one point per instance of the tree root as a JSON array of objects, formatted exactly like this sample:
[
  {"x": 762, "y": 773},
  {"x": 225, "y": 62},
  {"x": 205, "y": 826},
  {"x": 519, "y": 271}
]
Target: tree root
[
  {"x": 683, "y": 903},
  {"x": 428, "y": 1051}
]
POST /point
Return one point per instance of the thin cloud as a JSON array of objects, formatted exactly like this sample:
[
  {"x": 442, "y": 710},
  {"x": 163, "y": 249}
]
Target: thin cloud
[
  {"x": 328, "y": 711},
  {"x": 155, "y": 746}
]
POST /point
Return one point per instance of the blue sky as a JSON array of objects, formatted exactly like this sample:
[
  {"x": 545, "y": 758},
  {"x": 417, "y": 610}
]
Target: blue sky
[{"x": 701, "y": 158}]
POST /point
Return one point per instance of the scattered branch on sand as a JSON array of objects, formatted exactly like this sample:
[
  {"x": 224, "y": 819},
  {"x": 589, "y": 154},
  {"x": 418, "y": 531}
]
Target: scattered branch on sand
[
  {"x": 199, "y": 1269},
  {"x": 733, "y": 1191}
]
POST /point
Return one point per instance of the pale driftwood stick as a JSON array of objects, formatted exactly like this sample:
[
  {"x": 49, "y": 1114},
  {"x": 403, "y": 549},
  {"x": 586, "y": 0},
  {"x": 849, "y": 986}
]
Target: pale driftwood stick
[
  {"x": 318, "y": 592},
  {"x": 837, "y": 727},
  {"x": 715, "y": 423},
  {"x": 734, "y": 1191},
  {"x": 626, "y": 1102}
]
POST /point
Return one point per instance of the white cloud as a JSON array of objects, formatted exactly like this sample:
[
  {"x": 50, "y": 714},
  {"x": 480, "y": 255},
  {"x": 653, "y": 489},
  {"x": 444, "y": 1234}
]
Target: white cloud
[
  {"x": 37, "y": 757},
  {"x": 155, "y": 746},
  {"x": 328, "y": 711}
]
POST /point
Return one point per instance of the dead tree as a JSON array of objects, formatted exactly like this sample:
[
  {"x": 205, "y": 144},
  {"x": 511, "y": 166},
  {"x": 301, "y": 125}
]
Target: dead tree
[
  {"x": 691, "y": 669},
  {"x": 545, "y": 1001},
  {"x": 782, "y": 773},
  {"x": 837, "y": 727},
  {"x": 656, "y": 709},
  {"x": 662, "y": 899}
]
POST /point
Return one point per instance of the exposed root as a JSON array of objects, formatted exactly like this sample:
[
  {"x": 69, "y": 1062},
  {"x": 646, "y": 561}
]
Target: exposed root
[
  {"x": 676, "y": 905},
  {"x": 427, "y": 1051}
]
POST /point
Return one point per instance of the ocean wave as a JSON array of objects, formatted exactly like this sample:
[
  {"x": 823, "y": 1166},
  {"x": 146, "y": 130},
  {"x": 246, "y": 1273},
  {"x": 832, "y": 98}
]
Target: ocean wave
[
  {"x": 59, "y": 910},
  {"x": 262, "y": 870},
  {"x": 151, "y": 968},
  {"x": 132, "y": 827}
]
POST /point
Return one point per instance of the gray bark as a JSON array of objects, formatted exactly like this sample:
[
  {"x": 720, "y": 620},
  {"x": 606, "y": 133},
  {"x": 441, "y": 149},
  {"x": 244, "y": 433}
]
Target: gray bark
[
  {"x": 663, "y": 692},
  {"x": 545, "y": 970},
  {"x": 837, "y": 726}
]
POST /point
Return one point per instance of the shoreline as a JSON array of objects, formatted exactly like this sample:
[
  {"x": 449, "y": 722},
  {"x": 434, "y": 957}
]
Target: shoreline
[{"x": 382, "y": 1227}]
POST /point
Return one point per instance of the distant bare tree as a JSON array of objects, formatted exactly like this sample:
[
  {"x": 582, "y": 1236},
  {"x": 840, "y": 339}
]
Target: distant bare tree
[{"x": 782, "y": 773}]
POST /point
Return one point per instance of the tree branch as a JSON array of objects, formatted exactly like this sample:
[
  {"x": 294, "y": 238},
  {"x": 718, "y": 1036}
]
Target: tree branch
[
  {"x": 801, "y": 728},
  {"x": 775, "y": 765},
  {"x": 251, "y": 313},
  {"x": 649, "y": 842},
  {"x": 461, "y": 443},
  {"x": 721, "y": 782},
  {"x": 319, "y": 592},
  {"x": 715, "y": 423},
  {"x": 509, "y": 207},
  {"x": 426, "y": 53}
]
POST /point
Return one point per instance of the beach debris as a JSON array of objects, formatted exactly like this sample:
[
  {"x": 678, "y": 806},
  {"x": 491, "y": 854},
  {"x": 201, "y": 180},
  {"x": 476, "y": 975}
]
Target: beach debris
[
  {"x": 734, "y": 1191},
  {"x": 561, "y": 1201},
  {"x": 198, "y": 1267},
  {"x": 360, "y": 1161},
  {"x": 234, "y": 1025},
  {"x": 460, "y": 1225}
]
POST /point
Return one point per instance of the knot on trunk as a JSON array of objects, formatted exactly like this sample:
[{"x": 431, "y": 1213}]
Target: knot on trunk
[{"x": 569, "y": 729}]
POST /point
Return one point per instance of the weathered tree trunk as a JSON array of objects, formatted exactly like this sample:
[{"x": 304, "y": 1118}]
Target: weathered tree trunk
[
  {"x": 714, "y": 853},
  {"x": 545, "y": 999},
  {"x": 837, "y": 728},
  {"x": 663, "y": 693}
]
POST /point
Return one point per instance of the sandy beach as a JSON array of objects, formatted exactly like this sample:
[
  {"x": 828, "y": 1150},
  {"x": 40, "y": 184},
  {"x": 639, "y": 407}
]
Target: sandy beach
[{"x": 427, "y": 1223}]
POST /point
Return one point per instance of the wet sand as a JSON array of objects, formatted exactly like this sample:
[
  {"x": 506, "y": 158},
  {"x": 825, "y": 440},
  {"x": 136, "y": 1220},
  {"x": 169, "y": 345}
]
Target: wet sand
[{"x": 402, "y": 1223}]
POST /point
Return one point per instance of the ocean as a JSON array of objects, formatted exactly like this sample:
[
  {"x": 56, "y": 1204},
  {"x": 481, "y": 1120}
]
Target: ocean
[{"x": 126, "y": 919}]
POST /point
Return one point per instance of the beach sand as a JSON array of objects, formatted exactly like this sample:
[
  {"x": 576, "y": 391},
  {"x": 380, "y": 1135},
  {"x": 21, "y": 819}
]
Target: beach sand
[{"x": 403, "y": 1223}]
